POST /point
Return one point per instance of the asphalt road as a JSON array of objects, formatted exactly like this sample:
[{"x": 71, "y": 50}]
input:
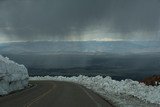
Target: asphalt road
[{"x": 54, "y": 94}]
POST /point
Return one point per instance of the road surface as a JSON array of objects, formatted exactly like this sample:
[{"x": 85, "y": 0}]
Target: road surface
[{"x": 54, "y": 94}]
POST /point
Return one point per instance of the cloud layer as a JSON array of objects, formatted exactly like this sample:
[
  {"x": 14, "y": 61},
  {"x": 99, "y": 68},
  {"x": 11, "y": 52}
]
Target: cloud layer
[{"x": 67, "y": 19}]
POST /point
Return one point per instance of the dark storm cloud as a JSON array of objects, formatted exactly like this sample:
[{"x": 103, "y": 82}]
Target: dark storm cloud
[
  {"x": 39, "y": 19},
  {"x": 135, "y": 15}
]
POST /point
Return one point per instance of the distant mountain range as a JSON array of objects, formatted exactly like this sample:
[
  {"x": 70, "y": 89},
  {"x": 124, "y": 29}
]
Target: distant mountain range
[
  {"x": 78, "y": 47},
  {"x": 118, "y": 59}
]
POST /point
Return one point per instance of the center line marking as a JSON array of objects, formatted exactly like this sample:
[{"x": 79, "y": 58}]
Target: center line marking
[{"x": 39, "y": 97}]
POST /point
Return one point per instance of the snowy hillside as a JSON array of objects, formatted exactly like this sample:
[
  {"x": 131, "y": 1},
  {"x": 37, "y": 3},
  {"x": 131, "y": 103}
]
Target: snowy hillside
[
  {"x": 12, "y": 76},
  {"x": 125, "y": 93}
]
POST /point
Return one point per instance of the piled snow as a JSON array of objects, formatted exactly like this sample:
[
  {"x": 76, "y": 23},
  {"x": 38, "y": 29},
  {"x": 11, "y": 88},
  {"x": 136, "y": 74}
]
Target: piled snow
[
  {"x": 12, "y": 76},
  {"x": 126, "y": 92}
]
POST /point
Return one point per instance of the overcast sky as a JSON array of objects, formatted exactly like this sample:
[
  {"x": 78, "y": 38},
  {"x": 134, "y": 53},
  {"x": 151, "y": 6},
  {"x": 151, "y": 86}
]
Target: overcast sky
[{"x": 29, "y": 20}]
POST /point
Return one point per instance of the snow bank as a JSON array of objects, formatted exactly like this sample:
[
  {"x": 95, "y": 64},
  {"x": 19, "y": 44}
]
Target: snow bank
[
  {"x": 126, "y": 92},
  {"x": 12, "y": 76}
]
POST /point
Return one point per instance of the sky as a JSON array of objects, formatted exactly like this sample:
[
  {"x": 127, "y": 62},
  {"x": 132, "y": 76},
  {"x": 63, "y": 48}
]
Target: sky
[{"x": 76, "y": 20}]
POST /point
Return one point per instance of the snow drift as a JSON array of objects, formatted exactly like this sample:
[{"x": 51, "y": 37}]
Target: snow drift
[
  {"x": 12, "y": 76},
  {"x": 123, "y": 93}
]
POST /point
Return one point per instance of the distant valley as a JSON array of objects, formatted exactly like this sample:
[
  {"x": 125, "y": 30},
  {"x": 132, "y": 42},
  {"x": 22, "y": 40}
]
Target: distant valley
[{"x": 118, "y": 59}]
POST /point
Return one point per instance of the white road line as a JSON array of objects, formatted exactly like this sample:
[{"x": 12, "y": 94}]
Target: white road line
[
  {"x": 39, "y": 97},
  {"x": 89, "y": 95}
]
